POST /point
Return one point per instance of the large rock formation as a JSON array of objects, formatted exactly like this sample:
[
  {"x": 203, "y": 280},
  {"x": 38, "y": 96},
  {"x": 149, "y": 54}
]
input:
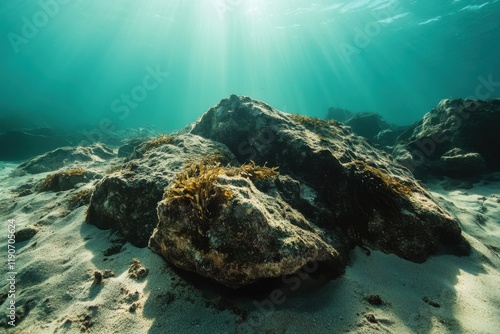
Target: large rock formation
[
  {"x": 458, "y": 138},
  {"x": 248, "y": 192},
  {"x": 357, "y": 188}
]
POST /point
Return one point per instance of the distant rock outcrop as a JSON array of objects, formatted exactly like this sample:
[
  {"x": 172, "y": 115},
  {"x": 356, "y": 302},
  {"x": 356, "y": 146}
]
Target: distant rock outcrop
[
  {"x": 459, "y": 138},
  {"x": 369, "y": 125},
  {"x": 64, "y": 156},
  {"x": 338, "y": 114},
  {"x": 18, "y": 145}
]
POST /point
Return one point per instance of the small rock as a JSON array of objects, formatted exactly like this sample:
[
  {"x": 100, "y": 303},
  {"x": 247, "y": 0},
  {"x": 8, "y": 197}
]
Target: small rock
[
  {"x": 26, "y": 234},
  {"x": 114, "y": 249},
  {"x": 108, "y": 274},
  {"x": 371, "y": 318},
  {"x": 375, "y": 300},
  {"x": 430, "y": 302},
  {"x": 97, "y": 278},
  {"x": 132, "y": 297},
  {"x": 133, "y": 308},
  {"x": 136, "y": 270}
]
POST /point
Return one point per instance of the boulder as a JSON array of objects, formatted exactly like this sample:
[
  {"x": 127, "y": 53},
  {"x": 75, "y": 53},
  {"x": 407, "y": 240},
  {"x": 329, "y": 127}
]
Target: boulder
[
  {"x": 126, "y": 150},
  {"x": 255, "y": 236},
  {"x": 457, "y": 162},
  {"x": 248, "y": 192},
  {"x": 352, "y": 189},
  {"x": 126, "y": 200},
  {"x": 126, "y": 203},
  {"x": 66, "y": 179},
  {"x": 64, "y": 156},
  {"x": 470, "y": 126}
]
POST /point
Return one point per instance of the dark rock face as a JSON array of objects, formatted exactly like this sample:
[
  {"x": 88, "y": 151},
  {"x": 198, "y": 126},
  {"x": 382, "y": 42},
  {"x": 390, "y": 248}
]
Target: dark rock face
[
  {"x": 454, "y": 184},
  {"x": 127, "y": 149},
  {"x": 457, "y": 162},
  {"x": 458, "y": 138},
  {"x": 124, "y": 203},
  {"x": 126, "y": 200},
  {"x": 387, "y": 137}
]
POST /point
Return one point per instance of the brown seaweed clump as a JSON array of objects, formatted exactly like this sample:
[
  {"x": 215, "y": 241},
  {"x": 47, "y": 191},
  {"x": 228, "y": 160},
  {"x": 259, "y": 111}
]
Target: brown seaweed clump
[
  {"x": 63, "y": 180},
  {"x": 379, "y": 180},
  {"x": 81, "y": 197},
  {"x": 313, "y": 121},
  {"x": 197, "y": 187},
  {"x": 255, "y": 172},
  {"x": 157, "y": 142},
  {"x": 371, "y": 190},
  {"x": 136, "y": 270}
]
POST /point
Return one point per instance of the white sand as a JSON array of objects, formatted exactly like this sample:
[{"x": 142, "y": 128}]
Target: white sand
[{"x": 56, "y": 270}]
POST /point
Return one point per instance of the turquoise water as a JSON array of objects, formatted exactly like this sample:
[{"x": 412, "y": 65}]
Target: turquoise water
[{"x": 164, "y": 62}]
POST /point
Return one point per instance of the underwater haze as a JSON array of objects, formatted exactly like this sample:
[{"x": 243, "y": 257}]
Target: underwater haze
[{"x": 162, "y": 63}]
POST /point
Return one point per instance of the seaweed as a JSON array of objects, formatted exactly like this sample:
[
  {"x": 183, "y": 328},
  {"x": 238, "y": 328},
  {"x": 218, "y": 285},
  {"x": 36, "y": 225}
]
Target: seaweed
[
  {"x": 157, "y": 142},
  {"x": 211, "y": 159},
  {"x": 313, "y": 121},
  {"x": 81, "y": 197},
  {"x": 116, "y": 168},
  {"x": 253, "y": 171},
  {"x": 380, "y": 181},
  {"x": 197, "y": 187},
  {"x": 370, "y": 190},
  {"x": 53, "y": 181}
]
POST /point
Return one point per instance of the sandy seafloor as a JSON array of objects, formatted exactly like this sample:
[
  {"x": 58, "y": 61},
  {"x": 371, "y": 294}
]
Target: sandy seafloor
[{"x": 56, "y": 271}]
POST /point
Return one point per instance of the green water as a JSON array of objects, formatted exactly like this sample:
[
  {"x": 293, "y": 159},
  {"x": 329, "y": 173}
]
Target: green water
[{"x": 76, "y": 63}]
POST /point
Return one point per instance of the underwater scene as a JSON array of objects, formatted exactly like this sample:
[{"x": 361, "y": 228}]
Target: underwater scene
[{"x": 249, "y": 166}]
